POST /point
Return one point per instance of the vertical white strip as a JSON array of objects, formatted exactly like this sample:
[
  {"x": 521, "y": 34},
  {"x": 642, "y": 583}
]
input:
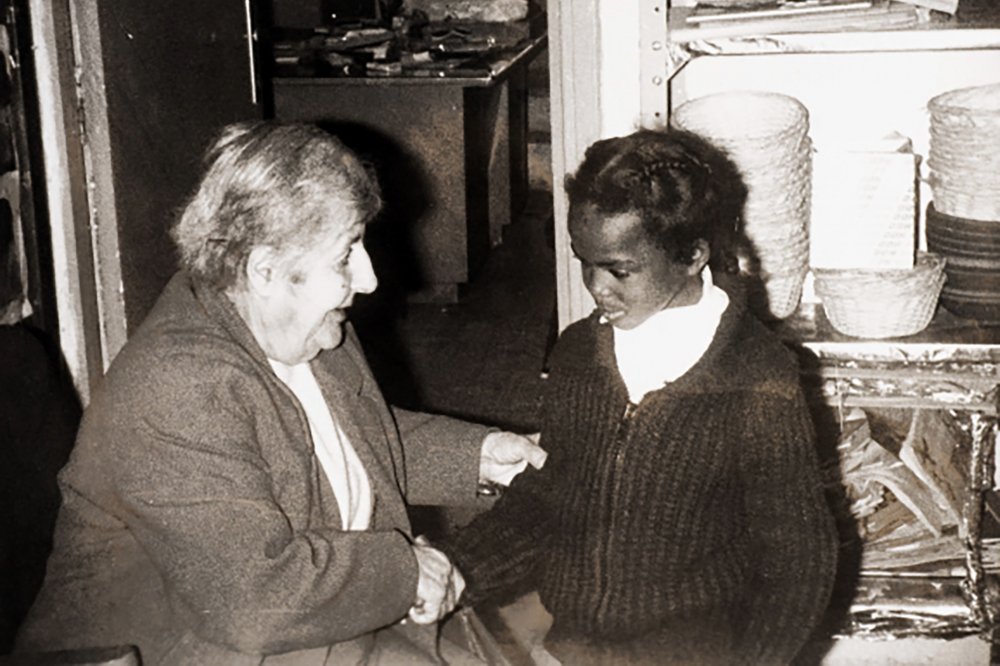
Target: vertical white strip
[
  {"x": 251, "y": 55},
  {"x": 574, "y": 52},
  {"x": 55, "y": 151},
  {"x": 98, "y": 166},
  {"x": 619, "y": 22},
  {"x": 653, "y": 74}
]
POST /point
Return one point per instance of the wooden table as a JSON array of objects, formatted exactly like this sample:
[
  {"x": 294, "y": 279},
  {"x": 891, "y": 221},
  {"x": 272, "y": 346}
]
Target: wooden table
[{"x": 450, "y": 153}]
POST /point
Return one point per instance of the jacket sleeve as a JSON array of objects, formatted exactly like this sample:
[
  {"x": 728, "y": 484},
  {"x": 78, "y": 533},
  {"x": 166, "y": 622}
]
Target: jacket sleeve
[
  {"x": 498, "y": 550},
  {"x": 792, "y": 527},
  {"x": 200, "y": 498},
  {"x": 441, "y": 457}
]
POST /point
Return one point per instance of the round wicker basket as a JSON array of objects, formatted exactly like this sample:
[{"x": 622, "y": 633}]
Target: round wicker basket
[
  {"x": 964, "y": 155},
  {"x": 766, "y": 136},
  {"x": 882, "y": 303},
  {"x": 746, "y": 118},
  {"x": 784, "y": 291}
]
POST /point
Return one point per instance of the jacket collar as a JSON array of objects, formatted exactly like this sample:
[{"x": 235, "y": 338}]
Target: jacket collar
[
  {"x": 341, "y": 372},
  {"x": 345, "y": 361},
  {"x": 705, "y": 373}
]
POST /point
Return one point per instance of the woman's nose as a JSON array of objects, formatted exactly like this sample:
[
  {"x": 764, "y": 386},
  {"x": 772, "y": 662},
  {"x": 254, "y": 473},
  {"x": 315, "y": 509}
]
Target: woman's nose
[{"x": 363, "y": 279}]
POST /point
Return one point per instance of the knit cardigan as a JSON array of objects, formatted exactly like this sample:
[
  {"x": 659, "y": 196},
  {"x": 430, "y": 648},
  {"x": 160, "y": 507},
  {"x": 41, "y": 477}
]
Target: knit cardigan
[
  {"x": 197, "y": 522},
  {"x": 702, "y": 501}
]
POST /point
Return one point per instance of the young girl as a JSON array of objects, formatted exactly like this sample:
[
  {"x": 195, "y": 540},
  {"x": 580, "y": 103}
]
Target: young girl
[{"x": 680, "y": 516}]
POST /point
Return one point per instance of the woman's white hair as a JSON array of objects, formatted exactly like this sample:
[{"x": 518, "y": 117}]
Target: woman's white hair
[{"x": 286, "y": 186}]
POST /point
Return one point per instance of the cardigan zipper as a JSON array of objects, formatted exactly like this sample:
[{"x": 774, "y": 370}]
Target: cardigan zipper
[{"x": 617, "y": 465}]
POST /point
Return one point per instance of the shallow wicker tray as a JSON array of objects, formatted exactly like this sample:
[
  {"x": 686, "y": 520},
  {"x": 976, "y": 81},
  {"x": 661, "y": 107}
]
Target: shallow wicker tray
[{"x": 882, "y": 303}]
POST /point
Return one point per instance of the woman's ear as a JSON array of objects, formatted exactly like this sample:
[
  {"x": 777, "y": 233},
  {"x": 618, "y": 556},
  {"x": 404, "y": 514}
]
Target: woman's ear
[
  {"x": 699, "y": 256},
  {"x": 261, "y": 269}
]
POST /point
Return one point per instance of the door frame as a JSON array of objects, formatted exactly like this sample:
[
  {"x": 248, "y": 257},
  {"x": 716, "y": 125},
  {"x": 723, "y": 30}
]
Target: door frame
[
  {"x": 608, "y": 78},
  {"x": 78, "y": 190}
]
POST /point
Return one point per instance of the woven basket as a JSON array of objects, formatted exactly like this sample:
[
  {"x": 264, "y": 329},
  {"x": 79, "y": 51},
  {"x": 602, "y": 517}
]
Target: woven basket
[
  {"x": 766, "y": 135},
  {"x": 747, "y": 118},
  {"x": 882, "y": 303},
  {"x": 784, "y": 292},
  {"x": 789, "y": 257},
  {"x": 972, "y": 107},
  {"x": 964, "y": 156}
]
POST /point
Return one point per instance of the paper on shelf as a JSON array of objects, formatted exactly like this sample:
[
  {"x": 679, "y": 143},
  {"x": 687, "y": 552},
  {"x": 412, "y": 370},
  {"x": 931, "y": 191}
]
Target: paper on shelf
[
  {"x": 864, "y": 205},
  {"x": 947, "y": 6}
]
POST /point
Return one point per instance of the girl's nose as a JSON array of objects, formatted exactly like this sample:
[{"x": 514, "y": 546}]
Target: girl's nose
[{"x": 593, "y": 281}]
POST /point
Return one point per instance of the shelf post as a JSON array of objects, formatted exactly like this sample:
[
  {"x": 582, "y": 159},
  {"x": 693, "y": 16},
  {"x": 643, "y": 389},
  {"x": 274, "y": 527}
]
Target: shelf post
[{"x": 653, "y": 86}]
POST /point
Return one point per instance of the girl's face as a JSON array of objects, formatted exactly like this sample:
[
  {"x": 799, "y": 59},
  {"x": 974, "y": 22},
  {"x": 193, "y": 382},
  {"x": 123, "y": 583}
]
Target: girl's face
[{"x": 630, "y": 276}]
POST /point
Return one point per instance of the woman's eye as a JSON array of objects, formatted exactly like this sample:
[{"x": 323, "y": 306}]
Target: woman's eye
[
  {"x": 346, "y": 259},
  {"x": 619, "y": 274}
]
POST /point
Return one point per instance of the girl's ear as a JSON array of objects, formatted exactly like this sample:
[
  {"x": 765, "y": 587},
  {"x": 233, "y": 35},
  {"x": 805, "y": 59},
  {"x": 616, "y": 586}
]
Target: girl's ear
[{"x": 699, "y": 257}]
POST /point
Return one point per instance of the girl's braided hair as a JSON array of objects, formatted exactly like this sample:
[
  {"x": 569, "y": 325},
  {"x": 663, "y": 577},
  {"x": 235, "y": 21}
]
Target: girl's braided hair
[{"x": 683, "y": 188}]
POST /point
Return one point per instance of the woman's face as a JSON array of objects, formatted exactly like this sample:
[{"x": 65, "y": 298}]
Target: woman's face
[
  {"x": 627, "y": 273},
  {"x": 304, "y": 309}
]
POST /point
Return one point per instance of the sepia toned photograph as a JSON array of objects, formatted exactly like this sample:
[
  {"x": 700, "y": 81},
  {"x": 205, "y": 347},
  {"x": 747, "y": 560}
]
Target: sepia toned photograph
[{"x": 499, "y": 333}]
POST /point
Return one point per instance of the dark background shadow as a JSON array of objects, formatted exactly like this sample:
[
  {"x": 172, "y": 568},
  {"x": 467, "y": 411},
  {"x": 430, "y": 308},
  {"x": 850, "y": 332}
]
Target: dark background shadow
[
  {"x": 390, "y": 242},
  {"x": 848, "y": 573},
  {"x": 39, "y": 416}
]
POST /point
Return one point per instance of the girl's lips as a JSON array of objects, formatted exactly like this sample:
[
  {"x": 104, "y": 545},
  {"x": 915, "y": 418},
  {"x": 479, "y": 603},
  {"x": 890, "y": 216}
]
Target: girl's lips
[{"x": 609, "y": 315}]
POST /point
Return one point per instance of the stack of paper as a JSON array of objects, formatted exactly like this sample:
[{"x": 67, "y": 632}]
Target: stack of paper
[
  {"x": 711, "y": 13},
  {"x": 864, "y": 206},
  {"x": 687, "y": 24}
]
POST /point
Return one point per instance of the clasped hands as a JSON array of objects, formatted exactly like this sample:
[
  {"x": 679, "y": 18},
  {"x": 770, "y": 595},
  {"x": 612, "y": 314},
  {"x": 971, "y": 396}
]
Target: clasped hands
[{"x": 440, "y": 585}]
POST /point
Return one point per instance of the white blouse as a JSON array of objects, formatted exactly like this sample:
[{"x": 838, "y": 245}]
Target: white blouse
[
  {"x": 670, "y": 342},
  {"x": 344, "y": 470}
]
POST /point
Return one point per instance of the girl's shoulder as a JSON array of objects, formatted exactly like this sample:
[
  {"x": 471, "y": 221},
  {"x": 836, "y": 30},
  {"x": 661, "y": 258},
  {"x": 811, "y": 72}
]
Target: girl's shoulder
[
  {"x": 752, "y": 357},
  {"x": 584, "y": 339}
]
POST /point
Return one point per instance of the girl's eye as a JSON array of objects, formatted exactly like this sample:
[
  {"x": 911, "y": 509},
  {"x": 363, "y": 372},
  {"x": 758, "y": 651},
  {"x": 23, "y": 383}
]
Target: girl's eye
[{"x": 619, "y": 274}]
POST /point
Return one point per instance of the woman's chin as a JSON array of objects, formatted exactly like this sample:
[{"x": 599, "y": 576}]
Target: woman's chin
[{"x": 331, "y": 335}]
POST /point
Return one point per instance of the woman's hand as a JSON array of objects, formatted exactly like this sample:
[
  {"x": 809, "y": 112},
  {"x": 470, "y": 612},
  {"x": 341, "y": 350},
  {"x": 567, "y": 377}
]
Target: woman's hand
[
  {"x": 439, "y": 586},
  {"x": 506, "y": 454}
]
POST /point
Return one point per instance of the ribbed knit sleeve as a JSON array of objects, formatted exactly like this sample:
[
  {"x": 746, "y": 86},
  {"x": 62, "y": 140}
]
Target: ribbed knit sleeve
[
  {"x": 498, "y": 551},
  {"x": 790, "y": 525}
]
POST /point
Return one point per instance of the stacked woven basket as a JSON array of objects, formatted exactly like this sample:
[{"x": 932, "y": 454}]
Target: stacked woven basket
[
  {"x": 881, "y": 303},
  {"x": 766, "y": 136},
  {"x": 963, "y": 222}
]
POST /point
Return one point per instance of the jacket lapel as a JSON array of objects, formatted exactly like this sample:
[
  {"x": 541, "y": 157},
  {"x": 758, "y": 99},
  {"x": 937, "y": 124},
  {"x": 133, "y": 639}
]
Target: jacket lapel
[{"x": 348, "y": 385}]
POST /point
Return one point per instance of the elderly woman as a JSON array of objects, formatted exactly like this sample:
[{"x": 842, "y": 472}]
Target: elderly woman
[{"x": 239, "y": 486}]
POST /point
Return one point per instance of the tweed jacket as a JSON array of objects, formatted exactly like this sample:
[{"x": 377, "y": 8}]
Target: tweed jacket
[
  {"x": 196, "y": 521},
  {"x": 690, "y": 528}
]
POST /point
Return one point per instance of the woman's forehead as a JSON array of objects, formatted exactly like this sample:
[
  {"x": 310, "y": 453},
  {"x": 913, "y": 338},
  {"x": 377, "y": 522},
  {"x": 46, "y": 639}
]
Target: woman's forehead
[{"x": 340, "y": 234}]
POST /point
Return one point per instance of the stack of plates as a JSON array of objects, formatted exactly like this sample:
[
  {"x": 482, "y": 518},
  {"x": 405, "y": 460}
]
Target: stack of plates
[
  {"x": 766, "y": 136},
  {"x": 972, "y": 249},
  {"x": 963, "y": 222},
  {"x": 964, "y": 156}
]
